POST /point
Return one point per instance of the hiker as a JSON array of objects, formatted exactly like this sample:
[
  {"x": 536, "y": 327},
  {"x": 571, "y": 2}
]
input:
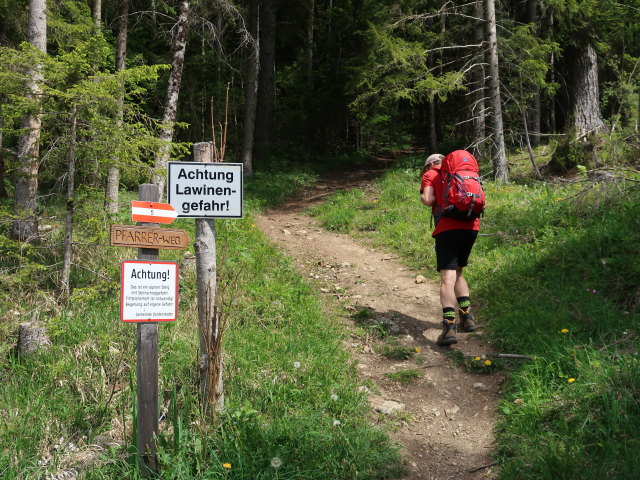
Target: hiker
[{"x": 454, "y": 238}]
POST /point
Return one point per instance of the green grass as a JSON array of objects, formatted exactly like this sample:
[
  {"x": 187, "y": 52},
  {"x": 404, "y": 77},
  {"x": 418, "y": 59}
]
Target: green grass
[
  {"x": 394, "y": 350},
  {"x": 550, "y": 257},
  {"x": 407, "y": 375},
  {"x": 291, "y": 391}
]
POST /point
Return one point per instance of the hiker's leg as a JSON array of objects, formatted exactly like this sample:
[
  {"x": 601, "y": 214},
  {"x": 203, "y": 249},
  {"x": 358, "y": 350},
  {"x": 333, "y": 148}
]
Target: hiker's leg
[
  {"x": 447, "y": 262},
  {"x": 467, "y": 319},
  {"x": 466, "y": 239},
  {"x": 461, "y": 288},
  {"x": 448, "y": 288},
  {"x": 448, "y": 300}
]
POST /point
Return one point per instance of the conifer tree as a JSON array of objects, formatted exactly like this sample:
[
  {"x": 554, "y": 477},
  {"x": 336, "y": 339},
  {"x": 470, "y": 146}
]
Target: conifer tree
[
  {"x": 171, "y": 100},
  {"x": 25, "y": 227}
]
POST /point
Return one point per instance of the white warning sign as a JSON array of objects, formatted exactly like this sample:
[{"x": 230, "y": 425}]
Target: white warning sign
[
  {"x": 148, "y": 291},
  {"x": 205, "y": 190}
]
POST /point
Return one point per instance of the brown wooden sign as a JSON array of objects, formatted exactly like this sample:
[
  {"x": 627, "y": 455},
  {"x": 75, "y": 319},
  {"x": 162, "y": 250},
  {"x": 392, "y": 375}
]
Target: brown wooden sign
[{"x": 148, "y": 237}]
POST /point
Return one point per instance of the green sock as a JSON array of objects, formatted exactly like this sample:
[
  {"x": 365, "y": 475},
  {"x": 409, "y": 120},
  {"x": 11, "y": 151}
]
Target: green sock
[
  {"x": 465, "y": 305},
  {"x": 464, "y": 302},
  {"x": 449, "y": 315}
]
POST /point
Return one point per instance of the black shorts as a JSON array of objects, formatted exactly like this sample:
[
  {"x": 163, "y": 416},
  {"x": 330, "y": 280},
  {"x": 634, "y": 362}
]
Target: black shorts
[{"x": 453, "y": 248}]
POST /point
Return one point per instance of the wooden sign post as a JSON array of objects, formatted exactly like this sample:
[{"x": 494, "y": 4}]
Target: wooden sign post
[
  {"x": 149, "y": 294},
  {"x": 147, "y": 365}
]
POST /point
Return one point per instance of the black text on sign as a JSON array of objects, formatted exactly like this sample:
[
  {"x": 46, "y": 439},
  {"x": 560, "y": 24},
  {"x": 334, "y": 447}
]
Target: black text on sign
[{"x": 205, "y": 190}]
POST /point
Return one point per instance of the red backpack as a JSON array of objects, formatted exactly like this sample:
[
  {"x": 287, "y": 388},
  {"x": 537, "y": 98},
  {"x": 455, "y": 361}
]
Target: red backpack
[{"x": 462, "y": 194}]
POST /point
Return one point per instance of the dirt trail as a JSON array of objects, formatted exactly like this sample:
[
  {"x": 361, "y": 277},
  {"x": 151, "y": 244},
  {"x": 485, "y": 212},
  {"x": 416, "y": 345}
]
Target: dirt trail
[{"x": 446, "y": 424}]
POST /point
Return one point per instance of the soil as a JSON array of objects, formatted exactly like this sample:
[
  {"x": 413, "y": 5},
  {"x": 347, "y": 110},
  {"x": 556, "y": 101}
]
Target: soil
[{"x": 446, "y": 418}]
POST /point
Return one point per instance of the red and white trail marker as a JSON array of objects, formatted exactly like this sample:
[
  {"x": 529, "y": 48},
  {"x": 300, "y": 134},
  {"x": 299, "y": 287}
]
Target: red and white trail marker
[{"x": 153, "y": 212}]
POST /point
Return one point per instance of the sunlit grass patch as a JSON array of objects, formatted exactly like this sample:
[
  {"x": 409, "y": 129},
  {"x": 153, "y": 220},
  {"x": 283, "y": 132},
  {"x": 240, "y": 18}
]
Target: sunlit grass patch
[
  {"x": 405, "y": 376},
  {"x": 396, "y": 351}
]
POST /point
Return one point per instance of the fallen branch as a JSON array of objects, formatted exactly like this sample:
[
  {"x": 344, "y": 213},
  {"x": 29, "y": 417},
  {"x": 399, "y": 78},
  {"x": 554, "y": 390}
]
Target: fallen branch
[
  {"x": 498, "y": 355},
  {"x": 481, "y": 467},
  {"x": 622, "y": 339}
]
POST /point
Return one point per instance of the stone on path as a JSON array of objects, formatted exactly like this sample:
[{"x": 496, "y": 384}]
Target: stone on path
[{"x": 388, "y": 407}]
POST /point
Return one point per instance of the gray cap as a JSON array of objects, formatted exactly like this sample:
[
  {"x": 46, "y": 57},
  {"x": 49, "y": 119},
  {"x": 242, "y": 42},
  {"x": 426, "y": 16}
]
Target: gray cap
[{"x": 434, "y": 158}]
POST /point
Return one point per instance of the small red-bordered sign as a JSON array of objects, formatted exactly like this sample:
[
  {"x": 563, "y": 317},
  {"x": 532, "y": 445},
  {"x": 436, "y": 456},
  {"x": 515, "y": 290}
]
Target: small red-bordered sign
[
  {"x": 148, "y": 291},
  {"x": 153, "y": 212}
]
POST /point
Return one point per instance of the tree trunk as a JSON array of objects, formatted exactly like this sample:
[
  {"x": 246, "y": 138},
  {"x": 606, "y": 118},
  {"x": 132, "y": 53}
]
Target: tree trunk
[
  {"x": 313, "y": 132},
  {"x": 68, "y": 238},
  {"x": 3, "y": 170},
  {"x": 113, "y": 177},
  {"x": 500, "y": 168},
  {"x": 210, "y": 364},
  {"x": 532, "y": 158},
  {"x": 96, "y": 13},
  {"x": 220, "y": 45},
  {"x": 171, "y": 101},
  {"x": 552, "y": 79},
  {"x": 251, "y": 88},
  {"x": 265, "y": 113},
  {"x": 431, "y": 117},
  {"x": 112, "y": 193},
  {"x": 585, "y": 91},
  {"x": 534, "y": 116},
  {"x": 478, "y": 97},
  {"x": 309, "y": 42},
  {"x": 25, "y": 226},
  {"x": 432, "y": 136}
]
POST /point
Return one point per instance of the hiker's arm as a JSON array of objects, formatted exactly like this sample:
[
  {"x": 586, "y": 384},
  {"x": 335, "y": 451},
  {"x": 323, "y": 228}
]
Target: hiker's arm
[{"x": 428, "y": 197}]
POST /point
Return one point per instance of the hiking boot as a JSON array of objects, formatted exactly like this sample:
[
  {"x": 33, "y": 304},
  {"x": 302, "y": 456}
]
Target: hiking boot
[
  {"x": 448, "y": 335},
  {"x": 467, "y": 320}
]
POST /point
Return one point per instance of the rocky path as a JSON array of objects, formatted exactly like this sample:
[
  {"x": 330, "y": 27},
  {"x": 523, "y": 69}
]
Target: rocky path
[{"x": 445, "y": 418}]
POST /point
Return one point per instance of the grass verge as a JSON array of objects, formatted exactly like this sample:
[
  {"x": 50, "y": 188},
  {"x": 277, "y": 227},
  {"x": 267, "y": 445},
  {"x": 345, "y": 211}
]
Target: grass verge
[
  {"x": 293, "y": 408},
  {"x": 554, "y": 275}
]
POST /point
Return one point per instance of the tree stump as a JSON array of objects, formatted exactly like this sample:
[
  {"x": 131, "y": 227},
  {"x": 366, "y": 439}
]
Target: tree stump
[
  {"x": 31, "y": 337},
  {"x": 188, "y": 263}
]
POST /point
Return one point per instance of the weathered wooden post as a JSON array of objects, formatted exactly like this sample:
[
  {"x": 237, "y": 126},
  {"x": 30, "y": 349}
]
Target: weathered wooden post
[
  {"x": 210, "y": 363},
  {"x": 205, "y": 190},
  {"x": 147, "y": 363},
  {"x": 148, "y": 295}
]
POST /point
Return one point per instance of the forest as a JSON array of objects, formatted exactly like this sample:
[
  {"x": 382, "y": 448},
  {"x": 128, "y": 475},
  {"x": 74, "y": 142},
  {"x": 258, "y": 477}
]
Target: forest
[{"x": 98, "y": 96}]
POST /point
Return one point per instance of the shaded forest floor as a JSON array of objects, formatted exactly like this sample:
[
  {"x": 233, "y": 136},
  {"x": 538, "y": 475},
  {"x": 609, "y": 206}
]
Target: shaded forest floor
[{"x": 442, "y": 415}]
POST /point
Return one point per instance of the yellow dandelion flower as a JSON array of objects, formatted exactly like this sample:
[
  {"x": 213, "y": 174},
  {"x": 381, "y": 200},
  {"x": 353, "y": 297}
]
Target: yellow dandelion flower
[
  {"x": 477, "y": 359},
  {"x": 564, "y": 330},
  {"x": 226, "y": 465},
  {"x": 417, "y": 349},
  {"x": 487, "y": 362},
  {"x": 571, "y": 380}
]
